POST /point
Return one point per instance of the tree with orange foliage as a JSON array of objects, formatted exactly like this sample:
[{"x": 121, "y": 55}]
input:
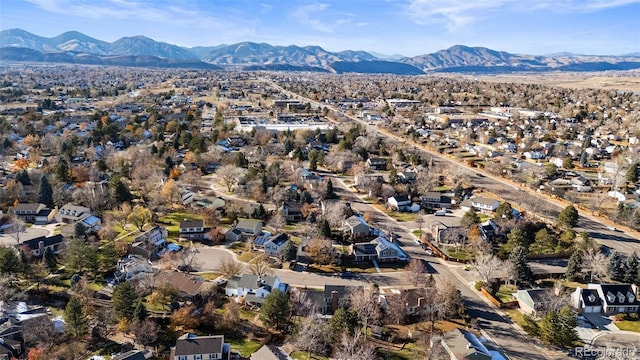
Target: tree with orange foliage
[
  {"x": 174, "y": 173},
  {"x": 36, "y": 354},
  {"x": 21, "y": 164},
  {"x": 31, "y": 140},
  {"x": 184, "y": 320}
]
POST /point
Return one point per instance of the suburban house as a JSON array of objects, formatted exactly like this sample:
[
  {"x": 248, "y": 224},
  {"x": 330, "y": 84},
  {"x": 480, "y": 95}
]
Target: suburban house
[
  {"x": 70, "y": 214},
  {"x": 270, "y": 352},
  {"x": 39, "y": 245},
  {"x": 483, "y": 204},
  {"x": 363, "y": 252},
  {"x": 10, "y": 349},
  {"x": 233, "y": 235},
  {"x": 334, "y": 297},
  {"x": 325, "y": 249},
  {"x": 377, "y": 163},
  {"x": 150, "y": 243},
  {"x": 249, "y": 227},
  {"x": 464, "y": 345},
  {"x": 399, "y": 202},
  {"x": 292, "y": 211},
  {"x": 253, "y": 288},
  {"x": 357, "y": 227},
  {"x": 388, "y": 251},
  {"x": 272, "y": 245},
  {"x": 412, "y": 298},
  {"x": 586, "y": 301},
  {"x": 435, "y": 200},
  {"x": 613, "y": 298},
  {"x": 192, "y": 229},
  {"x": 407, "y": 177},
  {"x": 188, "y": 286},
  {"x": 131, "y": 355},
  {"x": 533, "y": 300},
  {"x": 33, "y": 212},
  {"x": 194, "y": 347}
]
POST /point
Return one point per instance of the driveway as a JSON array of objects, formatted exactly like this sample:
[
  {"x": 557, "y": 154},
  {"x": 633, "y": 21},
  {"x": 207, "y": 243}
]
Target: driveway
[{"x": 601, "y": 322}]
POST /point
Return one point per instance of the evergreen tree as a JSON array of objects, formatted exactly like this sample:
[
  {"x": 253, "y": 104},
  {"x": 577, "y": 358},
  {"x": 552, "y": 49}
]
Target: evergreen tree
[
  {"x": 10, "y": 261},
  {"x": 75, "y": 318},
  {"x": 631, "y": 268},
  {"x": 574, "y": 267},
  {"x": 276, "y": 311},
  {"x": 140, "y": 311},
  {"x": 558, "y": 328},
  {"x": 522, "y": 271},
  {"x": 62, "y": 171},
  {"x": 568, "y": 217},
  {"x": 325, "y": 229},
  {"x": 23, "y": 177},
  {"x": 119, "y": 190},
  {"x": 330, "y": 194},
  {"x": 469, "y": 218},
  {"x": 343, "y": 321},
  {"x": 313, "y": 160},
  {"x": 80, "y": 257},
  {"x": 504, "y": 210},
  {"x": 632, "y": 173},
  {"x": 311, "y": 219},
  {"x": 45, "y": 192},
  {"x": 49, "y": 258},
  {"x": 125, "y": 300},
  {"x": 615, "y": 268}
]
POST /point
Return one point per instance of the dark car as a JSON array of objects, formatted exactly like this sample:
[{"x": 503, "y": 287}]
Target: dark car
[{"x": 348, "y": 275}]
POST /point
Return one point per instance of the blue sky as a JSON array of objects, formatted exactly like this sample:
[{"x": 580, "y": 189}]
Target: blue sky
[{"x": 407, "y": 27}]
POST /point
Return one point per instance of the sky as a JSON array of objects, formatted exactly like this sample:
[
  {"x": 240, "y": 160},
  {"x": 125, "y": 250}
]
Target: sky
[{"x": 404, "y": 27}]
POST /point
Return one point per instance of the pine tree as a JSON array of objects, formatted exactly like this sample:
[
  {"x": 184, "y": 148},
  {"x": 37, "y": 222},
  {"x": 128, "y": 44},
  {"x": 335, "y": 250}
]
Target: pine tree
[
  {"x": 325, "y": 229},
  {"x": 631, "y": 268},
  {"x": 75, "y": 318},
  {"x": 568, "y": 217},
  {"x": 615, "y": 268},
  {"x": 140, "y": 311},
  {"x": 49, "y": 258},
  {"x": 45, "y": 192},
  {"x": 574, "y": 266},
  {"x": 124, "y": 301},
  {"x": 276, "y": 311},
  {"x": 522, "y": 271},
  {"x": 330, "y": 194}
]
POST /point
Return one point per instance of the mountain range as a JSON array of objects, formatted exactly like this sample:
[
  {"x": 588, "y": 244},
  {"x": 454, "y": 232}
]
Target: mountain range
[{"x": 17, "y": 45}]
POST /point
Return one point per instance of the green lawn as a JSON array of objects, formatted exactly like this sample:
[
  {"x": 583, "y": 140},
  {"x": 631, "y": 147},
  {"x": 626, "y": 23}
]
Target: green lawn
[
  {"x": 302, "y": 355},
  {"x": 504, "y": 294},
  {"x": 515, "y": 315},
  {"x": 172, "y": 222},
  {"x": 630, "y": 323},
  {"x": 411, "y": 351},
  {"x": 461, "y": 254},
  {"x": 238, "y": 247},
  {"x": 484, "y": 217},
  {"x": 248, "y": 256},
  {"x": 417, "y": 233},
  {"x": 244, "y": 347}
]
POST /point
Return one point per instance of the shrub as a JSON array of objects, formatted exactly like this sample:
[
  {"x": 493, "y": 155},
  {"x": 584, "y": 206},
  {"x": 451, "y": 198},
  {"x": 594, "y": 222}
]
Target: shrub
[{"x": 479, "y": 285}]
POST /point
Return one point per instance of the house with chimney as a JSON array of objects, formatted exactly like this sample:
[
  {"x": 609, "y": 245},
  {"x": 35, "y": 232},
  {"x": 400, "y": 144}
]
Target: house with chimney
[
  {"x": 150, "y": 243},
  {"x": 334, "y": 297},
  {"x": 194, "y": 347},
  {"x": 192, "y": 229},
  {"x": 34, "y": 213},
  {"x": 254, "y": 288},
  {"x": 611, "y": 298},
  {"x": 39, "y": 245}
]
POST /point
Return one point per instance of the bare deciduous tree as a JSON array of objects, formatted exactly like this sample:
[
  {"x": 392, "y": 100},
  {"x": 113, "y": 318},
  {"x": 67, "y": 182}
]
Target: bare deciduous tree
[
  {"x": 355, "y": 347},
  {"x": 311, "y": 336},
  {"x": 229, "y": 175},
  {"x": 230, "y": 268},
  {"x": 260, "y": 265},
  {"x": 487, "y": 266},
  {"x": 364, "y": 301},
  {"x": 416, "y": 272},
  {"x": 594, "y": 264}
]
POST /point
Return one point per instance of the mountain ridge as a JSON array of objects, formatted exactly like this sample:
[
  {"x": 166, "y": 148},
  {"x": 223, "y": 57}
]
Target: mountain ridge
[{"x": 75, "y": 47}]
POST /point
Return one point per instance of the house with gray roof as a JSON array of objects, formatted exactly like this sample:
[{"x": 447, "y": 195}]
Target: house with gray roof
[
  {"x": 533, "y": 300},
  {"x": 250, "y": 227},
  {"x": 254, "y": 288},
  {"x": 272, "y": 245},
  {"x": 617, "y": 298},
  {"x": 194, "y": 347},
  {"x": 192, "y": 229},
  {"x": 464, "y": 345},
  {"x": 70, "y": 214},
  {"x": 32, "y": 212},
  {"x": 357, "y": 227}
]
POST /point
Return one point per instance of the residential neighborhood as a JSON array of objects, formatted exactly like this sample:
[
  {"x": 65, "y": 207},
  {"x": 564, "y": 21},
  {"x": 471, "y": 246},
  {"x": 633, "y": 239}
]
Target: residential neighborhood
[{"x": 195, "y": 214}]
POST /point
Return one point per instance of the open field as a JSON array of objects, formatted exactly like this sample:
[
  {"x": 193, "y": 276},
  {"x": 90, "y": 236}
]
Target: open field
[{"x": 609, "y": 80}]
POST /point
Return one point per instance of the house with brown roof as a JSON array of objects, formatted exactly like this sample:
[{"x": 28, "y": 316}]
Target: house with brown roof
[
  {"x": 194, "y": 347},
  {"x": 187, "y": 285}
]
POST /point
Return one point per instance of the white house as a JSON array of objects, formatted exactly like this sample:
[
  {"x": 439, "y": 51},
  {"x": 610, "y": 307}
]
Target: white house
[
  {"x": 485, "y": 204},
  {"x": 254, "y": 287},
  {"x": 399, "y": 202}
]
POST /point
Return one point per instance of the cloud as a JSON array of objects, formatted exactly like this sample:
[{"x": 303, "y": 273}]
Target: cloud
[
  {"x": 308, "y": 16},
  {"x": 455, "y": 14}
]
